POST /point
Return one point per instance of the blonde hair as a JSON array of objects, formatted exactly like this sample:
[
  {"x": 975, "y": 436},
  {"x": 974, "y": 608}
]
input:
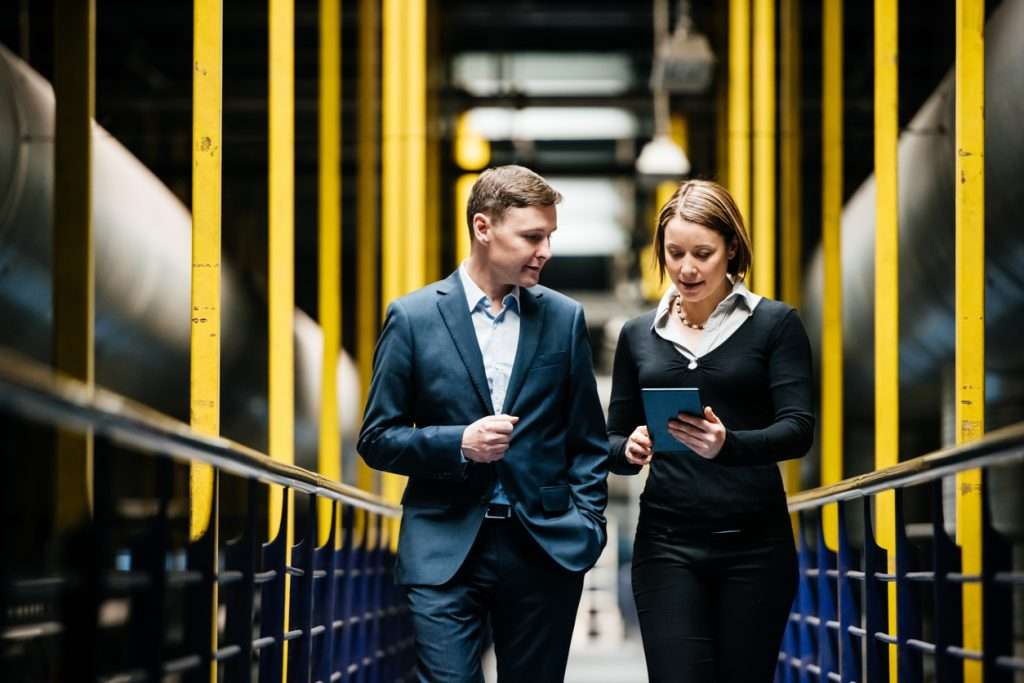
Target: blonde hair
[
  {"x": 710, "y": 205},
  {"x": 498, "y": 189}
]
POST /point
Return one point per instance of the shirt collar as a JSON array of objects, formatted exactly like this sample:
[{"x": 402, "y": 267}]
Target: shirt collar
[
  {"x": 738, "y": 296},
  {"x": 474, "y": 294}
]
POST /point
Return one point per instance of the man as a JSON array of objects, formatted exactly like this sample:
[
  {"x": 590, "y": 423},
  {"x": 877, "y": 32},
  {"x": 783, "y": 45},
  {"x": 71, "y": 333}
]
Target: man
[{"x": 483, "y": 394}]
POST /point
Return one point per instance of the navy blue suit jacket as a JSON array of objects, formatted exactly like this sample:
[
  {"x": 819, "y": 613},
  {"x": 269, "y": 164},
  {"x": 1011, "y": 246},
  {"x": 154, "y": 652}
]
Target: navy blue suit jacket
[{"x": 429, "y": 385}]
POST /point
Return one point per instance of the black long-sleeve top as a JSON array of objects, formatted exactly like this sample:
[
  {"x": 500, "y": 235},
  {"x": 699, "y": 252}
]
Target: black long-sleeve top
[{"x": 758, "y": 382}]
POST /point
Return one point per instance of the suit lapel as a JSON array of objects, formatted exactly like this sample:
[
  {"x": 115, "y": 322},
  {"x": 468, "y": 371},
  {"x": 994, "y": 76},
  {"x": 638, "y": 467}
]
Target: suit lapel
[
  {"x": 530, "y": 321},
  {"x": 454, "y": 311}
]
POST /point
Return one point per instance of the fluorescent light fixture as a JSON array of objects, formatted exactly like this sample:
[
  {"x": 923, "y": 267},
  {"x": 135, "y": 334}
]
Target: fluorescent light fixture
[
  {"x": 484, "y": 74},
  {"x": 554, "y": 123},
  {"x": 594, "y": 217},
  {"x": 662, "y": 159}
]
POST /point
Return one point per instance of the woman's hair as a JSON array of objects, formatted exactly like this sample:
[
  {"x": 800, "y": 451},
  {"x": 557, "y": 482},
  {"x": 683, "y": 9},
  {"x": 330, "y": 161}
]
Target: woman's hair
[{"x": 708, "y": 204}]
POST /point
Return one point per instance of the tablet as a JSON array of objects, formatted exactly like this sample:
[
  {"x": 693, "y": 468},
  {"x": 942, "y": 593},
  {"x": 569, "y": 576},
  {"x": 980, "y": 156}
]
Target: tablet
[{"x": 661, "y": 405}]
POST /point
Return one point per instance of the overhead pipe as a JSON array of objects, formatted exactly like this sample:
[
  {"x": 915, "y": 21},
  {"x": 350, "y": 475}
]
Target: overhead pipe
[
  {"x": 927, "y": 246},
  {"x": 143, "y": 258}
]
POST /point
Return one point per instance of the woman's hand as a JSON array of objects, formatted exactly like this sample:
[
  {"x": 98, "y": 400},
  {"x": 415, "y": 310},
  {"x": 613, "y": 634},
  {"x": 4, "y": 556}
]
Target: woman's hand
[
  {"x": 638, "y": 447},
  {"x": 705, "y": 436}
]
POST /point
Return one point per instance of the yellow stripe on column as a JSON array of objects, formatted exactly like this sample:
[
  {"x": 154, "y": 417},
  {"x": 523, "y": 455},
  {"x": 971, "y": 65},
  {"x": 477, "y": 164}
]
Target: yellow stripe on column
[
  {"x": 831, "y": 230},
  {"x": 367, "y": 255},
  {"x": 204, "y": 381},
  {"x": 887, "y": 329},
  {"x": 73, "y": 246},
  {"x": 463, "y": 186},
  {"x": 402, "y": 242},
  {"x": 281, "y": 264},
  {"x": 791, "y": 229},
  {"x": 764, "y": 148},
  {"x": 970, "y": 305},
  {"x": 791, "y": 130},
  {"x": 329, "y": 459},
  {"x": 739, "y": 104}
]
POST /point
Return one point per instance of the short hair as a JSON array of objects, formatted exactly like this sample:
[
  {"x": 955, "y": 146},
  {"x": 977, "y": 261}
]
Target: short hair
[
  {"x": 710, "y": 205},
  {"x": 498, "y": 189}
]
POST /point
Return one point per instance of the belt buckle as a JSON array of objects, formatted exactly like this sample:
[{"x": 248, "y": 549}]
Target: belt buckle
[{"x": 498, "y": 511}]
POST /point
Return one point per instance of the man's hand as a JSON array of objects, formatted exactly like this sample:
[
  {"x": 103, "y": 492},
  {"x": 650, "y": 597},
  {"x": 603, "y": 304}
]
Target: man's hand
[{"x": 487, "y": 439}]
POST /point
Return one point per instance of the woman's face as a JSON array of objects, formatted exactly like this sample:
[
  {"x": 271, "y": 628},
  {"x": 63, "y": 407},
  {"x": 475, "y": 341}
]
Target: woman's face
[{"x": 696, "y": 258}]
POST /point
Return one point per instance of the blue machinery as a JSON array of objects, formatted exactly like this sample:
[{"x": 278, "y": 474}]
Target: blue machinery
[
  {"x": 839, "y": 624},
  {"x": 128, "y": 602}
]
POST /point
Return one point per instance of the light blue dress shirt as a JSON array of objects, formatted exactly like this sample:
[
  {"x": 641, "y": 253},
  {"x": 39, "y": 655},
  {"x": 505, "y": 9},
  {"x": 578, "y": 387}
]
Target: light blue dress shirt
[{"x": 498, "y": 338}]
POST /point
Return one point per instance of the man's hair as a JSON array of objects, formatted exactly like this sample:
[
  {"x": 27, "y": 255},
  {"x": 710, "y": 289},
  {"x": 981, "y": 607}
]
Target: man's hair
[
  {"x": 708, "y": 204},
  {"x": 504, "y": 187}
]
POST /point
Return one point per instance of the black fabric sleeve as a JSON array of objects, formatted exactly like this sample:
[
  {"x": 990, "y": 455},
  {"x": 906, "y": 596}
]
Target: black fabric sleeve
[
  {"x": 625, "y": 410},
  {"x": 790, "y": 382}
]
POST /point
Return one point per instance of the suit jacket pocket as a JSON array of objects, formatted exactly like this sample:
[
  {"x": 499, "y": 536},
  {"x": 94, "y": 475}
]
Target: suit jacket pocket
[{"x": 555, "y": 499}]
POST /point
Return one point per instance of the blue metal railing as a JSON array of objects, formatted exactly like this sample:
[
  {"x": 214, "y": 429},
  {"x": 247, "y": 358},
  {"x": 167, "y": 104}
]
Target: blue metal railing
[
  {"x": 839, "y": 623},
  {"x": 126, "y": 595}
]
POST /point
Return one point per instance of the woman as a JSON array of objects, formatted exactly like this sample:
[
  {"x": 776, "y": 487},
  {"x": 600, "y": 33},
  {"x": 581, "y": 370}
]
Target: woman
[{"x": 714, "y": 564}]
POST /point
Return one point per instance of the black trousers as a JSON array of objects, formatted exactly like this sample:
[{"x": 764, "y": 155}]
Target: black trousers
[
  {"x": 509, "y": 581},
  {"x": 712, "y": 607}
]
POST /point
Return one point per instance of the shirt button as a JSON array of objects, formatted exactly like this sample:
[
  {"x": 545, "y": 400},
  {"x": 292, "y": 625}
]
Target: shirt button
[{"x": 692, "y": 365}]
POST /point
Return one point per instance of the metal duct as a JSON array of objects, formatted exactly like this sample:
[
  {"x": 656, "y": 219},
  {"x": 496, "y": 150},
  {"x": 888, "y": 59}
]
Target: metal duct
[
  {"x": 927, "y": 250},
  {"x": 143, "y": 262}
]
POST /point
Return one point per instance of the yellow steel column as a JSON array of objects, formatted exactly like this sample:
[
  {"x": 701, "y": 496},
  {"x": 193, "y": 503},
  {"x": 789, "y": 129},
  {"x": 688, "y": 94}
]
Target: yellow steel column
[
  {"x": 970, "y": 304},
  {"x": 414, "y": 138},
  {"x": 764, "y": 148},
  {"x": 204, "y": 385},
  {"x": 790, "y": 152},
  {"x": 402, "y": 243},
  {"x": 887, "y": 329},
  {"x": 462, "y": 238},
  {"x": 791, "y": 238},
  {"x": 472, "y": 152},
  {"x": 433, "y": 80},
  {"x": 651, "y": 283},
  {"x": 281, "y": 262},
  {"x": 366, "y": 211},
  {"x": 73, "y": 255},
  {"x": 329, "y": 298},
  {"x": 739, "y": 104},
  {"x": 831, "y": 231}
]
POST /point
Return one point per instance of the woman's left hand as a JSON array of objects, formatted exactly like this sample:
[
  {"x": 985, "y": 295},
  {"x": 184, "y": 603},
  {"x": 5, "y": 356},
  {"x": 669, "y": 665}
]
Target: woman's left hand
[{"x": 705, "y": 436}]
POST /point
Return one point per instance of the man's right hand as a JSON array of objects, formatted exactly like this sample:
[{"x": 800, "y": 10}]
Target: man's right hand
[{"x": 487, "y": 439}]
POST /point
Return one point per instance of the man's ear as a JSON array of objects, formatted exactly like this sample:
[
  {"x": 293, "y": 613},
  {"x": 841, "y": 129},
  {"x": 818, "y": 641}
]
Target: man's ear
[{"x": 482, "y": 228}]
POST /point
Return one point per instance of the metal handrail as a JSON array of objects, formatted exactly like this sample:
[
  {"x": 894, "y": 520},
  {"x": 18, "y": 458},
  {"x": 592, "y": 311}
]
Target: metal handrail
[
  {"x": 1002, "y": 446},
  {"x": 34, "y": 390}
]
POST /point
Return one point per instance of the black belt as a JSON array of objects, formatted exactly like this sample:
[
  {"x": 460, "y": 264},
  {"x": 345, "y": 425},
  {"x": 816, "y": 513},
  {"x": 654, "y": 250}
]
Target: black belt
[{"x": 498, "y": 511}]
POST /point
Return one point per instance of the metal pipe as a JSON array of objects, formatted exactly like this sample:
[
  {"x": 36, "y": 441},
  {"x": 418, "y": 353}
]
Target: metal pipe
[
  {"x": 143, "y": 259},
  {"x": 927, "y": 155},
  {"x": 739, "y": 103},
  {"x": 763, "y": 223}
]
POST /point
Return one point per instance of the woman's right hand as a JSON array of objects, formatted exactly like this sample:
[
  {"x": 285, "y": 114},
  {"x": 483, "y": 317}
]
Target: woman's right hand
[{"x": 638, "y": 447}]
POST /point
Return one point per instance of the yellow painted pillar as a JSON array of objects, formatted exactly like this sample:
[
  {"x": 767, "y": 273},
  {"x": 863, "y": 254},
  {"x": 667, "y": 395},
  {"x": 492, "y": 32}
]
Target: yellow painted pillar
[
  {"x": 281, "y": 263},
  {"x": 791, "y": 229},
  {"x": 367, "y": 255},
  {"x": 204, "y": 384},
  {"x": 414, "y": 143},
  {"x": 831, "y": 231},
  {"x": 970, "y": 305},
  {"x": 739, "y": 104},
  {"x": 887, "y": 329},
  {"x": 790, "y": 152},
  {"x": 329, "y": 110},
  {"x": 73, "y": 251},
  {"x": 472, "y": 152},
  {"x": 763, "y": 223},
  {"x": 651, "y": 283}
]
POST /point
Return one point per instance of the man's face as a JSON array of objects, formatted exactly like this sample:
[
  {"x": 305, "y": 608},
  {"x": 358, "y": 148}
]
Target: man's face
[{"x": 520, "y": 244}]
